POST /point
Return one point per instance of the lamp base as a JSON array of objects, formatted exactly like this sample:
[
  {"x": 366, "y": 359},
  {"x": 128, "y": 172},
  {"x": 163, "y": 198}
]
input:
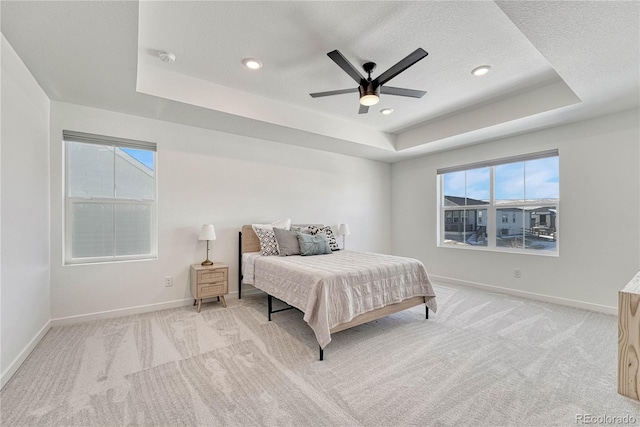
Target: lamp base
[{"x": 207, "y": 262}]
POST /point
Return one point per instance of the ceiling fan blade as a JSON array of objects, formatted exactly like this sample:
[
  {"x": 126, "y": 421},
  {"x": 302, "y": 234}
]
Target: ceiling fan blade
[
  {"x": 405, "y": 63},
  {"x": 398, "y": 91},
  {"x": 333, "y": 92},
  {"x": 363, "y": 109},
  {"x": 348, "y": 68}
]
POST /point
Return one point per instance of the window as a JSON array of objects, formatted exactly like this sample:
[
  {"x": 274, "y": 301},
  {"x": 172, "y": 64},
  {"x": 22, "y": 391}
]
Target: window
[
  {"x": 110, "y": 192},
  {"x": 507, "y": 204}
]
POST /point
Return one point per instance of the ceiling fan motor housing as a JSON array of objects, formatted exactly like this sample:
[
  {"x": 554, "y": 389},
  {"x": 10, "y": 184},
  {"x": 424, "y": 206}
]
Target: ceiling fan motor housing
[{"x": 369, "y": 88}]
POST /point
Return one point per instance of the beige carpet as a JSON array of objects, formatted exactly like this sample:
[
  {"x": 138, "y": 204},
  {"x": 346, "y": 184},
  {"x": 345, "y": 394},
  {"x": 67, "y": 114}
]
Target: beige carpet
[{"x": 483, "y": 359}]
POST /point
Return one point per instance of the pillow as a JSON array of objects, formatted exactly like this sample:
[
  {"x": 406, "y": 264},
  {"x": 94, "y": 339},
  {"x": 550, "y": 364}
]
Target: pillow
[
  {"x": 313, "y": 230},
  {"x": 313, "y": 245},
  {"x": 282, "y": 223},
  {"x": 268, "y": 243},
  {"x": 331, "y": 238},
  {"x": 287, "y": 242},
  {"x": 268, "y": 240},
  {"x": 304, "y": 230}
]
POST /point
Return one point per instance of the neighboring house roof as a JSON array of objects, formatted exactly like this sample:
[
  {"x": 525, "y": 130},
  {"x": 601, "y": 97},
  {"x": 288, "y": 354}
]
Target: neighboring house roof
[{"x": 462, "y": 201}]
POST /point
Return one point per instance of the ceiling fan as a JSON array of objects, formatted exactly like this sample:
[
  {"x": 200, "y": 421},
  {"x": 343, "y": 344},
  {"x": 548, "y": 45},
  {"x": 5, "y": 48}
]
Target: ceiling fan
[{"x": 369, "y": 89}]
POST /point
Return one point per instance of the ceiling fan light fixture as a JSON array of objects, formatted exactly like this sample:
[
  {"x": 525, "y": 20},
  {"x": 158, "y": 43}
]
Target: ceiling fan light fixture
[
  {"x": 252, "y": 63},
  {"x": 369, "y": 100},
  {"x": 481, "y": 70},
  {"x": 369, "y": 94}
]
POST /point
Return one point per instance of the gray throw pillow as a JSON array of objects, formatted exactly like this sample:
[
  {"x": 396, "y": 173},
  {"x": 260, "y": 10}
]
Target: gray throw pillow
[
  {"x": 287, "y": 242},
  {"x": 313, "y": 245},
  {"x": 304, "y": 230}
]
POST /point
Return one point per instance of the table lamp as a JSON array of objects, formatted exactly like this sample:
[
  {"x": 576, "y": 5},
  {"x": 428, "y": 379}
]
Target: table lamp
[
  {"x": 207, "y": 233},
  {"x": 343, "y": 230}
]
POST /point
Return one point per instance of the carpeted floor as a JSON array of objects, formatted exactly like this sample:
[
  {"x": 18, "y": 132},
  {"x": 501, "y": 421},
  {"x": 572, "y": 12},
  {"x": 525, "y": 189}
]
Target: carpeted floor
[{"x": 483, "y": 359}]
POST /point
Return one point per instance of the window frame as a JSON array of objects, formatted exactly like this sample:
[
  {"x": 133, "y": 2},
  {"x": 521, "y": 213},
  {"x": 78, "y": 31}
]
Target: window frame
[
  {"x": 493, "y": 207},
  {"x": 69, "y": 201}
]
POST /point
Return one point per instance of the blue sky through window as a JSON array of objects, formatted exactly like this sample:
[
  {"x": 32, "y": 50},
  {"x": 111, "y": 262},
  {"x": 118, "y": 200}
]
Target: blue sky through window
[
  {"x": 473, "y": 184},
  {"x": 145, "y": 157},
  {"x": 533, "y": 179}
]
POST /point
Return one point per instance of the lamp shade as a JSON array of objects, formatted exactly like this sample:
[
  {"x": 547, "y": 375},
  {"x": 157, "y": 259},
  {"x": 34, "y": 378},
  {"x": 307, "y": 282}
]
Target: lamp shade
[
  {"x": 207, "y": 232},
  {"x": 343, "y": 230}
]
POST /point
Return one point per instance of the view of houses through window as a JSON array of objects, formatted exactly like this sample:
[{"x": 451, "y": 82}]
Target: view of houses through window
[{"x": 508, "y": 204}]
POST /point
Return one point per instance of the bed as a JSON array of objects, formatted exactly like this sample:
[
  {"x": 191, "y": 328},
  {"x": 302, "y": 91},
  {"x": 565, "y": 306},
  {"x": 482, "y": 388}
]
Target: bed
[{"x": 335, "y": 291}]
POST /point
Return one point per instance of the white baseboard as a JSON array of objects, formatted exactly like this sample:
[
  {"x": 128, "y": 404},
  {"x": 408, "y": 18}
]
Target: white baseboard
[
  {"x": 110, "y": 314},
  {"x": 530, "y": 295},
  {"x": 17, "y": 362}
]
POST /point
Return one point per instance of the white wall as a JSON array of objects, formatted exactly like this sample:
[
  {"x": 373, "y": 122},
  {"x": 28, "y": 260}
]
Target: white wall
[
  {"x": 210, "y": 177},
  {"x": 25, "y": 303},
  {"x": 599, "y": 211}
]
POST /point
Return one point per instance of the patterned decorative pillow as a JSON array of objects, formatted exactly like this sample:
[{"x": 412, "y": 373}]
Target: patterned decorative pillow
[
  {"x": 313, "y": 230},
  {"x": 327, "y": 231},
  {"x": 331, "y": 238},
  {"x": 268, "y": 243}
]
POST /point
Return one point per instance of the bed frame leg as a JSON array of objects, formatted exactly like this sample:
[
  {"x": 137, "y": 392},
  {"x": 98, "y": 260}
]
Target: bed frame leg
[
  {"x": 270, "y": 305},
  {"x": 321, "y": 353},
  {"x": 427, "y": 313}
]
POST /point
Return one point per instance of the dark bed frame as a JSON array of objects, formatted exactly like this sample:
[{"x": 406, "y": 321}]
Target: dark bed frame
[{"x": 250, "y": 242}]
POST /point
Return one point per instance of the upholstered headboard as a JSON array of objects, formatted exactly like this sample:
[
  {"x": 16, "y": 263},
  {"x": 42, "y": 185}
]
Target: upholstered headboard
[{"x": 250, "y": 241}]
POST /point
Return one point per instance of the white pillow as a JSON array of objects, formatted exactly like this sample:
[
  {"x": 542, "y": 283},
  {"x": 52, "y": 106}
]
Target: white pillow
[{"x": 282, "y": 223}]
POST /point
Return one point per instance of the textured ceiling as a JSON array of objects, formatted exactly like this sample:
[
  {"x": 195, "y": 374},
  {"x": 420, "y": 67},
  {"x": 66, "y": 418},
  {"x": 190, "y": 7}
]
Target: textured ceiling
[{"x": 553, "y": 62}]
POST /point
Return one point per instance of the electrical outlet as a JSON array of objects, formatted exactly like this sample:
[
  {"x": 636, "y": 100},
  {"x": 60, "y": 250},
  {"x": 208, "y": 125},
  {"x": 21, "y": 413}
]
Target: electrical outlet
[
  {"x": 517, "y": 273},
  {"x": 168, "y": 281}
]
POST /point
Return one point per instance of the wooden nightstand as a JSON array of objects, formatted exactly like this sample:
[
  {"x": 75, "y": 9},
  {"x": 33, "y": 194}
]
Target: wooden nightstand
[{"x": 208, "y": 281}]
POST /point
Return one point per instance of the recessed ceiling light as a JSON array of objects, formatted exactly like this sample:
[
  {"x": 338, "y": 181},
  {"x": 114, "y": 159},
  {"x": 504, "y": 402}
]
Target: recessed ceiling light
[
  {"x": 252, "y": 63},
  {"x": 481, "y": 70},
  {"x": 166, "y": 56},
  {"x": 386, "y": 111}
]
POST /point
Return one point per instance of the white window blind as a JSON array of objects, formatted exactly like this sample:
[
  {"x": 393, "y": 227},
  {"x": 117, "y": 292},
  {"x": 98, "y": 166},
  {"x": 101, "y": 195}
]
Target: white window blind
[
  {"x": 500, "y": 161},
  {"x": 110, "y": 191}
]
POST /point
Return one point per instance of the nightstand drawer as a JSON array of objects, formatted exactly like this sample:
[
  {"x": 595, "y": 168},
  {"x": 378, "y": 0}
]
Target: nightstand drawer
[
  {"x": 212, "y": 289},
  {"x": 211, "y": 276}
]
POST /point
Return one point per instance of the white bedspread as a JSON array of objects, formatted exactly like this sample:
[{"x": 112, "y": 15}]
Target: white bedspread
[
  {"x": 333, "y": 289},
  {"x": 248, "y": 266}
]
